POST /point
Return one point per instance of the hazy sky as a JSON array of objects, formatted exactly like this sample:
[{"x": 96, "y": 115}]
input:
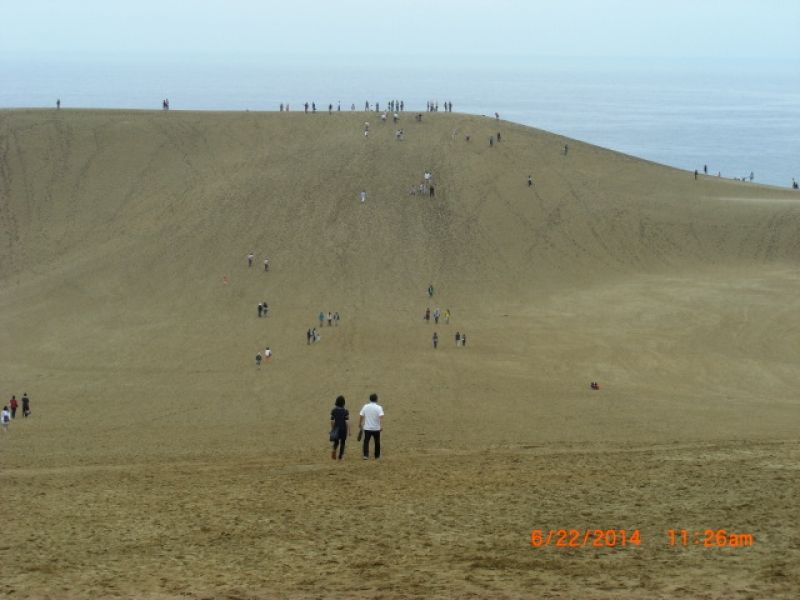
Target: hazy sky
[{"x": 409, "y": 29}]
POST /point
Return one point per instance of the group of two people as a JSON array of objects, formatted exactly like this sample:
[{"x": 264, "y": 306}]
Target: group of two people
[{"x": 370, "y": 426}]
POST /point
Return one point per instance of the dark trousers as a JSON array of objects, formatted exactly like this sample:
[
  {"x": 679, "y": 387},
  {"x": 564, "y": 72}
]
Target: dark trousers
[
  {"x": 339, "y": 443},
  {"x": 372, "y": 434}
]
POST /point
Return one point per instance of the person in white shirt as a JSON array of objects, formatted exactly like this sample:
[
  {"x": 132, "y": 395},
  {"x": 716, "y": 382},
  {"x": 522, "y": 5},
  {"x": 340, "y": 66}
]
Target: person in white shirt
[
  {"x": 5, "y": 419},
  {"x": 370, "y": 421}
]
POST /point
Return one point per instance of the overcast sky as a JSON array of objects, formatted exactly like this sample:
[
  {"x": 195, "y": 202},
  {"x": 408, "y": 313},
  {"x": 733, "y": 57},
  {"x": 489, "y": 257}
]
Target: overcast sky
[{"x": 407, "y": 29}]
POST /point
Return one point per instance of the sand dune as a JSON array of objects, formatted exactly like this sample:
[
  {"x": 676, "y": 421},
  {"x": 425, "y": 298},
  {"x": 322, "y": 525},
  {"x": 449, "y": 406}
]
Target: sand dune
[{"x": 160, "y": 463}]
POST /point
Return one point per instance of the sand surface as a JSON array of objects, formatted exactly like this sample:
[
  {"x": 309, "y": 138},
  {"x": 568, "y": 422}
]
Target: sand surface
[{"x": 160, "y": 463}]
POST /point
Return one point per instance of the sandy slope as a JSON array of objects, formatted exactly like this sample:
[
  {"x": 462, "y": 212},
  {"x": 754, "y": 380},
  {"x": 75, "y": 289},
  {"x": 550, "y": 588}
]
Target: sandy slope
[{"x": 160, "y": 462}]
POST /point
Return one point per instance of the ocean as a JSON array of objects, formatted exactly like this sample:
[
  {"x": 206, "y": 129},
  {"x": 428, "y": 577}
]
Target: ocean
[{"x": 737, "y": 117}]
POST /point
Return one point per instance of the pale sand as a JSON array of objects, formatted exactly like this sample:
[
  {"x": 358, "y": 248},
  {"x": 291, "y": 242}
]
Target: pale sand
[{"x": 159, "y": 463}]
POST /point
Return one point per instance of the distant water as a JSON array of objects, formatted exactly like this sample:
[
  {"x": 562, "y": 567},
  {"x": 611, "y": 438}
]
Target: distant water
[{"x": 736, "y": 121}]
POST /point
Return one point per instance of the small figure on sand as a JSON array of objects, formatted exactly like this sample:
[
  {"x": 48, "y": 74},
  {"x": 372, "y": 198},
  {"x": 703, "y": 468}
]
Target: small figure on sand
[
  {"x": 427, "y": 316},
  {"x": 250, "y": 258},
  {"x": 497, "y": 116},
  {"x": 530, "y": 181},
  {"x": 321, "y": 319},
  {"x": 594, "y": 385},
  {"x": 26, "y": 405},
  {"x": 258, "y": 360},
  {"x": 266, "y": 264},
  {"x": 430, "y": 290},
  {"x": 463, "y": 340},
  {"x": 58, "y": 103},
  {"x": 363, "y": 196},
  {"x": 695, "y": 174},
  {"x": 458, "y": 339},
  {"x": 268, "y": 355},
  {"x": 566, "y": 149},
  {"x": 491, "y": 141},
  {"x": 447, "y": 316},
  {"x": 435, "y": 340}
]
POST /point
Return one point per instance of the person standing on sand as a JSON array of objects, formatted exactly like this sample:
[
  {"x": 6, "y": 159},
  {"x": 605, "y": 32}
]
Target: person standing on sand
[
  {"x": 13, "y": 404},
  {"x": 340, "y": 427},
  {"x": 695, "y": 174},
  {"x": 321, "y": 319},
  {"x": 566, "y": 149},
  {"x": 427, "y": 316},
  {"x": 430, "y": 291},
  {"x": 530, "y": 181},
  {"x": 258, "y": 360},
  {"x": 363, "y": 196},
  {"x": 371, "y": 423},
  {"x": 266, "y": 265},
  {"x": 330, "y": 318},
  {"x": 463, "y": 340},
  {"x": 447, "y": 316},
  {"x": 705, "y": 169},
  {"x": 26, "y": 405},
  {"x": 458, "y": 339},
  {"x": 5, "y": 419},
  {"x": 435, "y": 340},
  {"x": 260, "y": 309},
  {"x": 250, "y": 258},
  {"x": 58, "y": 103},
  {"x": 308, "y": 337}
]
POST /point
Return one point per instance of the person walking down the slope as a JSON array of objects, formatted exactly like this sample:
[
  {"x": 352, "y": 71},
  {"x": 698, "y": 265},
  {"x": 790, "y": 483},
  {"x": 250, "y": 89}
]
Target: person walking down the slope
[
  {"x": 13, "y": 405},
  {"x": 447, "y": 316},
  {"x": 458, "y": 339},
  {"x": 266, "y": 265},
  {"x": 427, "y": 316},
  {"x": 250, "y": 258},
  {"x": 5, "y": 419},
  {"x": 430, "y": 291},
  {"x": 26, "y": 405},
  {"x": 258, "y": 360},
  {"x": 371, "y": 422},
  {"x": 321, "y": 319},
  {"x": 436, "y": 314},
  {"x": 363, "y": 196},
  {"x": 330, "y": 318},
  {"x": 435, "y": 340},
  {"x": 340, "y": 427}
]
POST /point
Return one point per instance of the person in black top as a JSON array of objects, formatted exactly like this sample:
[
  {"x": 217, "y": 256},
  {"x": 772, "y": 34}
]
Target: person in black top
[
  {"x": 340, "y": 426},
  {"x": 26, "y": 405}
]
